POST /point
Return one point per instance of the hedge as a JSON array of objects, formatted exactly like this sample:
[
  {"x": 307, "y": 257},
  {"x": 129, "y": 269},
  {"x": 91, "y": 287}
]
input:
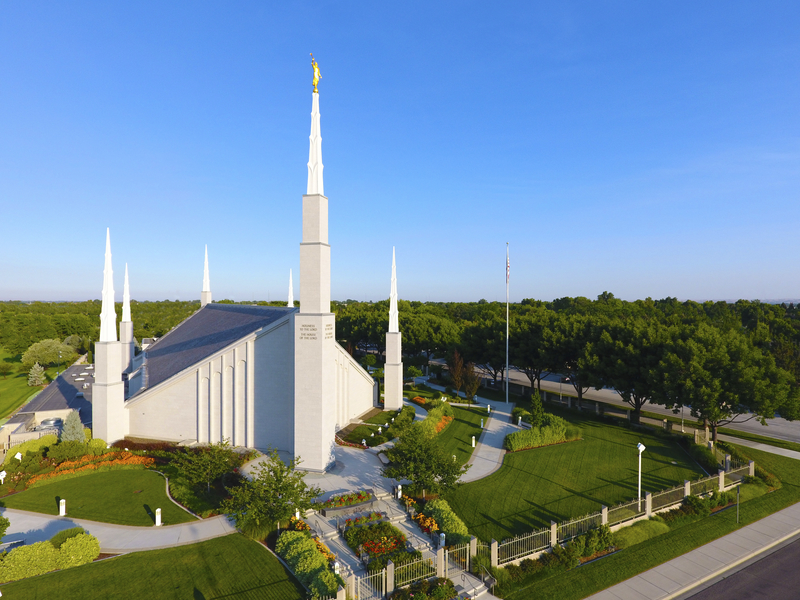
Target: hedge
[
  {"x": 43, "y": 557},
  {"x": 437, "y": 412},
  {"x": 307, "y": 562},
  {"x": 31, "y": 446},
  {"x": 552, "y": 431},
  {"x": 449, "y": 522},
  {"x": 62, "y": 536}
]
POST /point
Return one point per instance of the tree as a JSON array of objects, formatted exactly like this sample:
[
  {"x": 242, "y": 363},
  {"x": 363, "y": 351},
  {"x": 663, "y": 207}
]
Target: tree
[
  {"x": 483, "y": 342},
  {"x": 36, "y": 375},
  {"x": 48, "y": 352},
  {"x": 4, "y": 525},
  {"x": 206, "y": 464},
  {"x": 537, "y": 410},
  {"x": 472, "y": 380},
  {"x": 419, "y": 458},
  {"x": 368, "y": 361},
  {"x": 73, "y": 428},
  {"x": 455, "y": 365},
  {"x": 566, "y": 344},
  {"x": 276, "y": 491},
  {"x": 527, "y": 344},
  {"x": 6, "y": 368}
]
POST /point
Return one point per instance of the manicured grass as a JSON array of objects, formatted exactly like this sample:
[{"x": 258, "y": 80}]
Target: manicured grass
[
  {"x": 456, "y": 439},
  {"x": 230, "y": 567},
  {"x": 384, "y": 416},
  {"x": 567, "y": 480},
  {"x": 128, "y": 497},
  {"x": 596, "y": 576},
  {"x": 14, "y": 389},
  {"x": 761, "y": 439}
]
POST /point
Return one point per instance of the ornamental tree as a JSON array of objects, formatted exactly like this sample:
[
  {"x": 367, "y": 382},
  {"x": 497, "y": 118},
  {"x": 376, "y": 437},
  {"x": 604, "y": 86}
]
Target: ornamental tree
[
  {"x": 276, "y": 491},
  {"x": 206, "y": 464},
  {"x": 73, "y": 429},
  {"x": 36, "y": 375}
]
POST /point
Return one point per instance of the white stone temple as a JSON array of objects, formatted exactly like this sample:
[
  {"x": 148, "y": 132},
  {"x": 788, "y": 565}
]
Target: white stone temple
[{"x": 260, "y": 377}]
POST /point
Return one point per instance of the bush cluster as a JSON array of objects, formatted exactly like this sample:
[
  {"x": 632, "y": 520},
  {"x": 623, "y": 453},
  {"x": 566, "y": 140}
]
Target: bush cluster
[
  {"x": 552, "y": 431},
  {"x": 308, "y": 563},
  {"x": 697, "y": 506},
  {"x": 66, "y": 549},
  {"x": 449, "y": 523},
  {"x": 704, "y": 457},
  {"x": 435, "y": 589},
  {"x": 31, "y": 448},
  {"x": 439, "y": 415}
]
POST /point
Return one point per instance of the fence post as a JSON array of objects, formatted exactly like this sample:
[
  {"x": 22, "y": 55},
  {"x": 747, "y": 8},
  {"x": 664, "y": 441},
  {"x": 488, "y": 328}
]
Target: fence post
[
  {"x": 389, "y": 577},
  {"x": 473, "y": 546},
  {"x": 440, "y": 562},
  {"x": 687, "y": 487},
  {"x": 721, "y": 475},
  {"x": 597, "y": 408},
  {"x": 696, "y": 436},
  {"x": 752, "y": 466},
  {"x": 569, "y": 401},
  {"x": 648, "y": 504},
  {"x": 341, "y": 594},
  {"x": 604, "y": 515},
  {"x": 553, "y": 534},
  {"x": 494, "y": 554},
  {"x": 727, "y": 462},
  {"x": 351, "y": 585}
]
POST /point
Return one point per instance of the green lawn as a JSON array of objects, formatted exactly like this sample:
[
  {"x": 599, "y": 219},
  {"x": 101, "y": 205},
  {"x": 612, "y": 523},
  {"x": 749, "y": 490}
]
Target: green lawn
[
  {"x": 124, "y": 497},
  {"x": 598, "y": 575},
  {"x": 382, "y": 417},
  {"x": 14, "y": 389},
  {"x": 572, "y": 479},
  {"x": 230, "y": 567},
  {"x": 457, "y": 436}
]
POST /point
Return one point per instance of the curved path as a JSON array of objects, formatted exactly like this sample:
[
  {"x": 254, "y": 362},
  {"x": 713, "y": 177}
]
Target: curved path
[{"x": 114, "y": 539}]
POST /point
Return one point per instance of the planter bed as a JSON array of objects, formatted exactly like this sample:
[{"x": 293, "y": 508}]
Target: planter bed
[{"x": 349, "y": 509}]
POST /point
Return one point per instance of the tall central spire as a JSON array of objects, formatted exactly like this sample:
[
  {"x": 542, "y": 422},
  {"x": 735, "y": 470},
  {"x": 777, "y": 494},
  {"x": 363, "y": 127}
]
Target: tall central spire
[
  {"x": 206, "y": 278},
  {"x": 108, "y": 316},
  {"x": 126, "y": 298},
  {"x": 315, "y": 151},
  {"x": 393, "y": 321},
  {"x": 290, "y": 302}
]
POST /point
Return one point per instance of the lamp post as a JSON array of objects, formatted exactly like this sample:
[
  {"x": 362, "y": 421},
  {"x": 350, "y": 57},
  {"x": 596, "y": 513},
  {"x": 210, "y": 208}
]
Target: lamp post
[
  {"x": 641, "y": 447},
  {"x": 682, "y": 418}
]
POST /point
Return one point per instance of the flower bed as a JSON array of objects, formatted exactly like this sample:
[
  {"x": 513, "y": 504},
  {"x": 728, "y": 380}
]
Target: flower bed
[
  {"x": 427, "y": 524},
  {"x": 91, "y": 463},
  {"x": 363, "y": 520},
  {"x": 381, "y": 537},
  {"x": 342, "y": 442},
  {"x": 347, "y": 499}
]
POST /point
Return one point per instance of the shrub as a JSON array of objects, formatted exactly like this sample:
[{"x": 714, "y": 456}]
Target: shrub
[
  {"x": 573, "y": 432},
  {"x": 97, "y": 446},
  {"x": 66, "y": 451},
  {"x": 552, "y": 431},
  {"x": 73, "y": 429},
  {"x": 520, "y": 412},
  {"x": 448, "y": 521},
  {"x": 33, "y": 446},
  {"x": 537, "y": 411},
  {"x": 78, "y": 550},
  {"x": 28, "y": 561},
  {"x": 62, "y": 536},
  {"x": 324, "y": 584}
]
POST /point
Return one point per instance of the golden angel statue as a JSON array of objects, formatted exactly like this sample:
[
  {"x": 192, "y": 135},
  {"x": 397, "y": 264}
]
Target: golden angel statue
[{"x": 317, "y": 76}]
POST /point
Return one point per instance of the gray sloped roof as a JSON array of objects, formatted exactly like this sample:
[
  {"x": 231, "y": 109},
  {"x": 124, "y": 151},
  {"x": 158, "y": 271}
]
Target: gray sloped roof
[
  {"x": 63, "y": 392},
  {"x": 205, "y": 333}
]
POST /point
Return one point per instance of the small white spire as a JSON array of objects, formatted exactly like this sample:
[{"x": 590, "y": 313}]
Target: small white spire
[
  {"x": 108, "y": 316},
  {"x": 126, "y": 298},
  {"x": 315, "y": 151},
  {"x": 393, "y": 316},
  {"x": 290, "y": 303},
  {"x": 206, "y": 279}
]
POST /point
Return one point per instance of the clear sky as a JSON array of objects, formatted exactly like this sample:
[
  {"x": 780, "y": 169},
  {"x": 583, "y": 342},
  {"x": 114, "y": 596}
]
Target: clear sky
[{"x": 644, "y": 148}]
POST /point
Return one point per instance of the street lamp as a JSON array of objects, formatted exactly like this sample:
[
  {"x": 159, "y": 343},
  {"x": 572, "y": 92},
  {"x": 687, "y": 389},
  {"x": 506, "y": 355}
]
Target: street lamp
[
  {"x": 640, "y": 446},
  {"x": 682, "y": 418}
]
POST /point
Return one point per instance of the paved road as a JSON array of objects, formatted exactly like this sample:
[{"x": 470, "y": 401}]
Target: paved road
[
  {"x": 772, "y": 576},
  {"x": 114, "y": 539}
]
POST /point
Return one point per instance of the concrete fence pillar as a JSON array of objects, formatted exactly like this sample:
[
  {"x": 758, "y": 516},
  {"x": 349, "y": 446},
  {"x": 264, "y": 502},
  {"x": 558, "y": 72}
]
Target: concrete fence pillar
[
  {"x": 440, "y": 562},
  {"x": 721, "y": 475},
  {"x": 494, "y": 553},
  {"x": 648, "y": 504},
  {"x": 351, "y": 585},
  {"x": 604, "y": 516},
  {"x": 727, "y": 462},
  {"x": 569, "y": 401},
  {"x": 752, "y": 466},
  {"x": 553, "y": 534},
  {"x": 597, "y": 408},
  {"x": 389, "y": 577},
  {"x": 341, "y": 594},
  {"x": 473, "y": 546},
  {"x": 696, "y": 436},
  {"x": 711, "y": 445},
  {"x": 687, "y": 488}
]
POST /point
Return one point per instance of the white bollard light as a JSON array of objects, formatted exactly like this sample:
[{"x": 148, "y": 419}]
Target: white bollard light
[
  {"x": 2, "y": 477},
  {"x": 488, "y": 408},
  {"x": 441, "y": 540},
  {"x": 297, "y": 514},
  {"x": 473, "y": 441},
  {"x": 158, "y": 517},
  {"x": 481, "y": 423},
  {"x": 336, "y": 567},
  {"x": 399, "y": 492},
  {"x": 62, "y": 508},
  {"x": 18, "y": 456},
  {"x": 380, "y": 429},
  {"x": 363, "y": 442},
  {"x": 519, "y": 421}
]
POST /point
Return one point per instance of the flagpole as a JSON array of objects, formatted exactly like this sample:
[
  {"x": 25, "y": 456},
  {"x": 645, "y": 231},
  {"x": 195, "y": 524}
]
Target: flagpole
[{"x": 508, "y": 272}]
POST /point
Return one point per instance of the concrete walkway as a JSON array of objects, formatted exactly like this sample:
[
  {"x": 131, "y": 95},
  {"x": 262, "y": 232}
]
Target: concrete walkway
[
  {"x": 114, "y": 539},
  {"x": 679, "y": 576}
]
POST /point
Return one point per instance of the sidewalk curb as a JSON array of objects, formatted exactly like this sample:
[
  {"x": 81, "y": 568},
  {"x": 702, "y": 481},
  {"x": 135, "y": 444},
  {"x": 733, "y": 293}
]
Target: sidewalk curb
[{"x": 731, "y": 566}]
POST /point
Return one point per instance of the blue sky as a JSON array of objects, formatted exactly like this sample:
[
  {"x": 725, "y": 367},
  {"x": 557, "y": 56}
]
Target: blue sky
[{"x": 647, "y": 149}]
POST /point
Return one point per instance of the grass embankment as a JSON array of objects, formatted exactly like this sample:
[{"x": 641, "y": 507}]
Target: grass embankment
[
  {"x": 121, "y": 497},
  {"x": 567, "y": 480},
  {"x": 14, "y": 389},
  {"x": 596, "y": 576},
  {"x": 231, "y": 567},
  {"x": 456, "y": 439}
]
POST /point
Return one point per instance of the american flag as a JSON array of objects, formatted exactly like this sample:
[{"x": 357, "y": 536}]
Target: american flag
[{"x": 508, "y": 265}]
